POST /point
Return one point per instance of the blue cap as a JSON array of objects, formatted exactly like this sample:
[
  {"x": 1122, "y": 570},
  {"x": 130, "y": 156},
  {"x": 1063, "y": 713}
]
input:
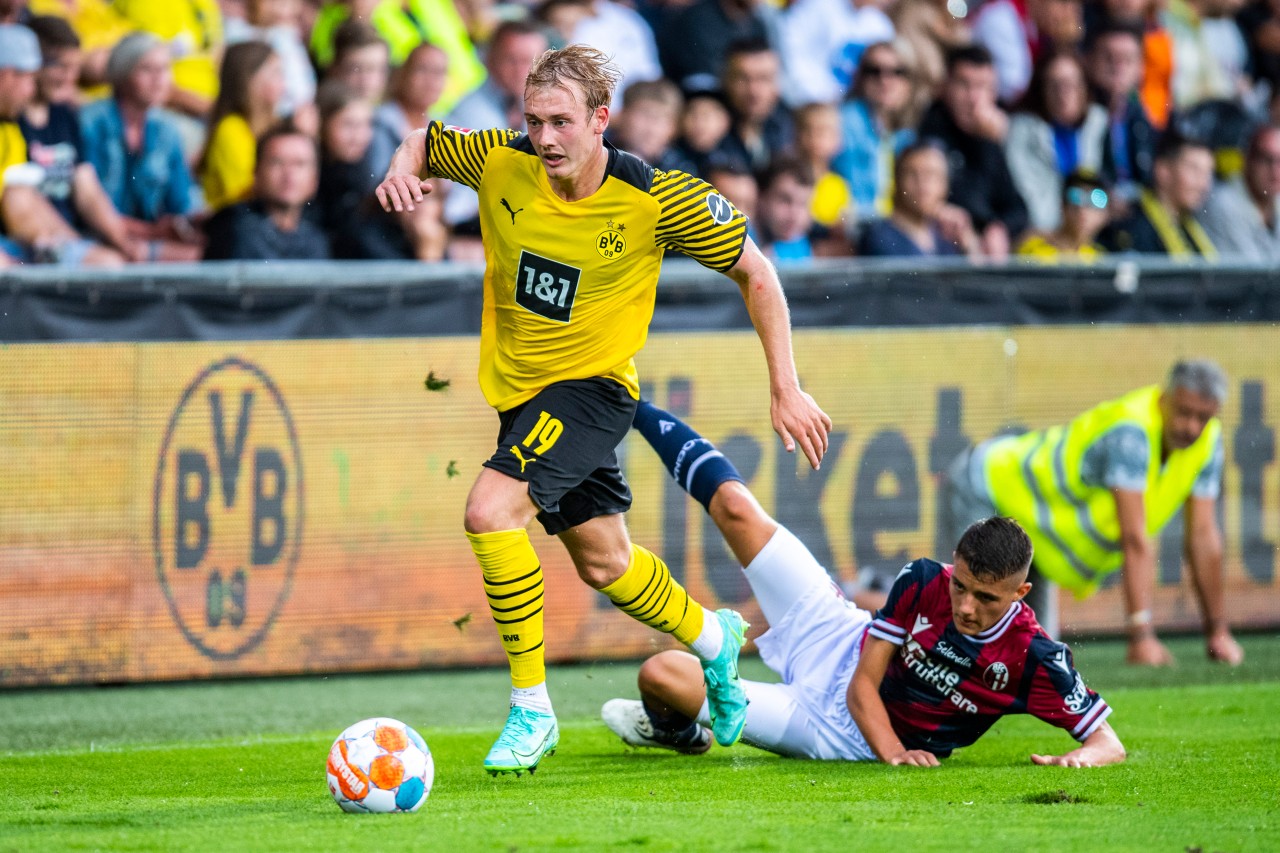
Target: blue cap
[{"x": 19, "y": 48}]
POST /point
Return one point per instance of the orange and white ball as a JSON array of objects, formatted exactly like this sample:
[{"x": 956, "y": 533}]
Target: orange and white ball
[{"x": 380, "y": 765}]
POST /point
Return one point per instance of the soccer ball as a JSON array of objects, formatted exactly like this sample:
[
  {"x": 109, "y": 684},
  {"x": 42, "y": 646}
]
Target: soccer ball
[{"x": 380, "y": 765}]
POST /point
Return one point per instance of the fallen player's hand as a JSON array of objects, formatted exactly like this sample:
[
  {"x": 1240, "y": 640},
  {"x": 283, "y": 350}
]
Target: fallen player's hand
[
  {"x": 915, "y": 758},
  {"x": 1148, "y": 651},
  {"x": 1221, "y": 646},
  {"x": 797, "y": 419},
  {"x": 401, "y": 192}
]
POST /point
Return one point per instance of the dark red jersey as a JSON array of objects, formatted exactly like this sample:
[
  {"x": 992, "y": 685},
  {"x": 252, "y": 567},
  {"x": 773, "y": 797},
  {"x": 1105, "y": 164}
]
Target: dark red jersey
[{"x": 944, "y": 689}]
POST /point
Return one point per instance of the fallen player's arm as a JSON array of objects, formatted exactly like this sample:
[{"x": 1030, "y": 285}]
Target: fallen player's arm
[
  {"x": 869, "y": 712},
  {"x": 1101, "y": 747},
  {"x": 403, "y": 186}
]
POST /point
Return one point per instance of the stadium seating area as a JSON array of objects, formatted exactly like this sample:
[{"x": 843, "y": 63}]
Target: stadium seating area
[{"x": 137, "y": 131}]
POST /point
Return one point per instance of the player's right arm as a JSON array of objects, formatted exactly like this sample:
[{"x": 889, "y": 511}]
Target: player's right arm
[
  {"x": 437, "y": 151},
  {"x": 1101, "y": 747},
  {"x": 403, "y": 186},
  {"x": 868, "y": 709}
]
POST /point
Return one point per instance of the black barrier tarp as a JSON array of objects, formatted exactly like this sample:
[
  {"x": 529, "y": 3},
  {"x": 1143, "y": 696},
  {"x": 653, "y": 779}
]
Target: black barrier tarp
[{"x": 239, "y": 301}]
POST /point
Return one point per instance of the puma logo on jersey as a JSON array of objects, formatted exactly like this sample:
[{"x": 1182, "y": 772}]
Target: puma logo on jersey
[
  {"x": 523, "y": 461},
  {"x": 513, "y": 213}
]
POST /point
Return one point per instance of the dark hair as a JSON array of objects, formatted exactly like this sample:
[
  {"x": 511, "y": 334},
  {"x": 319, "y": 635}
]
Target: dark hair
[
  {"x": 279, "y": 131},
  {"x": 969, "y": 54},
  {"x": 1083, "y": 179},
  {"x": 510, "y": 29},
  {"x": 1172, "y": 144},
  {"x": 786, "y": 167},
  {"x": 1113, "y": 27},
  {"x": 995, "y": 548},
  {"x": 53, "y": 33},
  {"x": 239, "y": 64},
  {"x": 746, "y": 46},
  {"x": 927, "y": 143},
  {"x": 1035, "y": 100},
  {"x": 354, "y": 35}
]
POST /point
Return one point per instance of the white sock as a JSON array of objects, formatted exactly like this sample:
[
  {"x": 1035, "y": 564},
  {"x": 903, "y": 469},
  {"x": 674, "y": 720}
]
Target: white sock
[
  {"x": 711, "y": 639},
  {"x": 535, "y": 698}
]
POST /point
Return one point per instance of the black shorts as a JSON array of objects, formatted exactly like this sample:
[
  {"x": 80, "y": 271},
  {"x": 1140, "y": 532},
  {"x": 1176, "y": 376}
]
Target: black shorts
[{"x": 562, "y": 443}]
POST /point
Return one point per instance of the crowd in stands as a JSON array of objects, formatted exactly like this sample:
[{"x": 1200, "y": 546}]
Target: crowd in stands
[{"x": 145, "y": 130}]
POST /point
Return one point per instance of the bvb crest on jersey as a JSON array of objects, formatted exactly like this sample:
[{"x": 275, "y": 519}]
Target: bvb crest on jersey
[{"x": 610, "y": 243}]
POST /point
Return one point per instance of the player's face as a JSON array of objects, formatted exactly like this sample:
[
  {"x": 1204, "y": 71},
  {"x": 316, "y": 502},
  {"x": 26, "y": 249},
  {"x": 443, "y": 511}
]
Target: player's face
[
  {"x": 1186, "y": 414},
  {"x": 568, "y": 137},
  {"x": 977, "y": 604}
]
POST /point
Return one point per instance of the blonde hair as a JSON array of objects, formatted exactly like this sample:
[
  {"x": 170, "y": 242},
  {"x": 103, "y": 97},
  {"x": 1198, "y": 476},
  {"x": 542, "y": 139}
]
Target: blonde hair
[{"x": 593, "y": 71}]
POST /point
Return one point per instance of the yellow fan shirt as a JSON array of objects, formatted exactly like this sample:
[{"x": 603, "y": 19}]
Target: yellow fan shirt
[{"x": 569, "y": 287}]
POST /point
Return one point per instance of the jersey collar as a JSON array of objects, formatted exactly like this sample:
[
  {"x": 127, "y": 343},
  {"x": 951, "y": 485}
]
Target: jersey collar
[{"x": 998, "y": 629}]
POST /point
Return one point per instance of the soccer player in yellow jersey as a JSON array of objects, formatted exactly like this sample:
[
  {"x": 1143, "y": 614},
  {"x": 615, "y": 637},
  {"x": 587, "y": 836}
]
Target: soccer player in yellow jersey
[{"x": 574, "y": 232}]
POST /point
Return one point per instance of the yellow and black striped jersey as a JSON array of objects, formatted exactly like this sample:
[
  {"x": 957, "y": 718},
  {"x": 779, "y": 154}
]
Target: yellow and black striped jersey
[{"x": 570, "y": 286}]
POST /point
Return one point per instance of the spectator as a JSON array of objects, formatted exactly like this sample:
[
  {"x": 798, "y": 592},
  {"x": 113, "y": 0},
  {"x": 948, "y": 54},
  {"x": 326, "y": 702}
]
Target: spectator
[
  {"x": 403, "y": 25},
  {"x": 971, "y": 128},
  {"x": 821, "y": 42},
  {"x": 251, "y": 86},
  {"x": 416, "y": 87},
  {"x": 694, "y": 41},
  {"x": 761, "y": 126},
  {"x": 1055, "y": 132},
  {"x": 817, "y": 143},
  {"x": 271, "y": 226},
  {"x": 357, "y": 226},
  {"x": 137, "y": 151},
  {"x": 783, "y": 219},
  {"x": 648, "y": 123},
  {"x": 1114, "y": 64},
  {"x": 1164, "y": 221},
  {"x": 30, "y": 226},
  {"x": 52, "y": 133},
  {"x": 1260, "y": 24},
  {"x": 1202, "y": 66},
  {"x": 1084, "y": 214},
  {"x": 922, "y": 223},
  {"x": 704, "y": 122},
  {"x": 616, "y": 29},
  {"x": 1019, "y": 33},
  {"x": 926, "y": 33},
  {"x": 361, "y": 62},
  {"x": 875, "y": 127},
  {"x": 99, "y": 26},
  {"x": 279, "y": 24},
  {"x": 498, "y": 103},
  {"x": 193, "y": 31},
  {"x": 1242, "y": 218}
]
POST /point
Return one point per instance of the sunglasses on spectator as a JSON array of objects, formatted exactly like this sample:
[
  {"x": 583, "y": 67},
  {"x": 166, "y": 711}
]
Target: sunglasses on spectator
[
  {"x": 884, "y": 71},
  {"x": 1080, "y": 197}
]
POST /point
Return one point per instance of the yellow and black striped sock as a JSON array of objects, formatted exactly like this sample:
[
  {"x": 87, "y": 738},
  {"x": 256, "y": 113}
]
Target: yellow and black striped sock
[
  {"x": 647, "y": 592},
  {"x": 513, "y": 585}
]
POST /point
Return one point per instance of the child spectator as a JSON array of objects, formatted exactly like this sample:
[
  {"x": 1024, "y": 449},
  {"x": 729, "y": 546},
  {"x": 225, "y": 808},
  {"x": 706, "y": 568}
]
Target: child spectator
[
  {"x": 703, "y": 125},
  {"x": 874, "y": 127},
  {"x": 735, "y": 182},
  {"x": 783, "y": 218},
  {"x": 922, "y": 223},
  {"x": 252, "y": 85},
  {"x": 1055, "y": 132},
  {"x": 817, "y": 143},
  {"x": 361, "y": 62},
  {"x": 647, "y": 124},
  {"x": 1085, "y": 202}
]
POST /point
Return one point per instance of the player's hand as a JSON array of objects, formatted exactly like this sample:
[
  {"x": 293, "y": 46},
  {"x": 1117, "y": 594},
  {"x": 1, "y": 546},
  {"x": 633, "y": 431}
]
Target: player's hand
[
  {"x": 401, "y": 192},
  {"x": 1148, "y": 651},
  {"x": 914, "y": 758},
  {"x": 1071, "y": 759},
  {"x": 797, "y": 419},
  {"x": 1221, "y": 646}
]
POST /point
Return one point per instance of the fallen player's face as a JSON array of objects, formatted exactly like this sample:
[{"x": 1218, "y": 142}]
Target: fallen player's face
[
  {"x": 977, "y": 604},
  {"x": 566, "y": 135}
]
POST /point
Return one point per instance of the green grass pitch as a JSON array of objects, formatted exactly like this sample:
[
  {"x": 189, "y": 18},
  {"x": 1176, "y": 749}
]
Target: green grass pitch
[{"x": 240, "y": 766}]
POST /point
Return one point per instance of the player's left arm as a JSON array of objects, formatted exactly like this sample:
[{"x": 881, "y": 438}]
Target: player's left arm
[
  {"x": 797, "y": 418},
  {"x": 1202, "y": 546},
  {"x": 1101, "y": 747}
]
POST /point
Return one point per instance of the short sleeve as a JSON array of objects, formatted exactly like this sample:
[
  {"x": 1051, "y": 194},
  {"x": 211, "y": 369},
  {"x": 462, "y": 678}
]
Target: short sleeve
[
  {"x": 1118, "y": 459},
  {"x": 890, "y": 622},
  {"x": 1058, "y": 694},
  {"x": 459, "y": 154},
  {"x": 698, "y": 221},
  {"x": 1209, "y": 481}
]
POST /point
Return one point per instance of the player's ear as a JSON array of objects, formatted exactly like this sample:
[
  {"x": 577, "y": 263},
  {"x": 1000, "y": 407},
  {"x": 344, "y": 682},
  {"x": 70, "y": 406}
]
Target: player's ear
[
  {"x": 601, "y": 117},
  {"x": 1022, "y": 591}
]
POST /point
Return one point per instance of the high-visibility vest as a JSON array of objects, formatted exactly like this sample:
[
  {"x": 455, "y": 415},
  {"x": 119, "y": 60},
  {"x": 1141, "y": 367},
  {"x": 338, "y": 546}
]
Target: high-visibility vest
[{"x": 1035, "y": 478}]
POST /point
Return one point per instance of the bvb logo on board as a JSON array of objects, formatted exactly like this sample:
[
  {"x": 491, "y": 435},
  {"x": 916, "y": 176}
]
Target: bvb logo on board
[{"x": 227, "y": 508}]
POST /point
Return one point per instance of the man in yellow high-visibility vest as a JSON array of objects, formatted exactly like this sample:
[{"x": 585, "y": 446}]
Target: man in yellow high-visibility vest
[{"x": 1094, "y": 493}]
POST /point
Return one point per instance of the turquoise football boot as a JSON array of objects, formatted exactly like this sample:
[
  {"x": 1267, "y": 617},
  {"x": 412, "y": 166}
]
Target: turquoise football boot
[
  {"x": 725, "y": 695},
  {"x": 525, "y": 739}
]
